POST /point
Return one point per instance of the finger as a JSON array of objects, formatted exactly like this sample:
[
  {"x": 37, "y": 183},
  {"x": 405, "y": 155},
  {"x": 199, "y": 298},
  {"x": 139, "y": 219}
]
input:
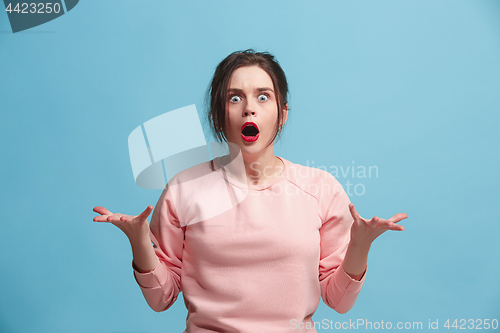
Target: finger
[
  {"x": 101, "y": 218},
  {"x": 102, "y": 210},
  {"x": 374, "y": 221},
  {"x": 126, "y": 218},
  {"x": 388, "y": 225},
  {"x": 145, "y": 213},
  {"x": 396, "y": 227},
  {"x": 398, "y": 217},
  {"x": 354, "y": 212},
  {"x": 114, "y": 218}
]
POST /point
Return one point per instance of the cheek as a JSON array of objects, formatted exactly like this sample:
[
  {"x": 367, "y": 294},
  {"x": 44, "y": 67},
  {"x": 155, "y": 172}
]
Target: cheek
[{"x": 231, "y": 114}]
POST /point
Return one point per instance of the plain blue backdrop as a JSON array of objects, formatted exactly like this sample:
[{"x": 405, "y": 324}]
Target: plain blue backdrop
[{"x": 410, "y": 87}]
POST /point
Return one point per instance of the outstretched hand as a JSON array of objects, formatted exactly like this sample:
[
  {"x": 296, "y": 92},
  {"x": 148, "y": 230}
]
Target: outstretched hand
[
  {"x": 365, "y": 231},
  {"x": 134, "y": 226}
]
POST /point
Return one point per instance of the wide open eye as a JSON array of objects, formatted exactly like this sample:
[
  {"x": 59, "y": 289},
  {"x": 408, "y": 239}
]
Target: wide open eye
[
  {"x": 235, "y": 99},
  {"x": 263, "y": 97}
]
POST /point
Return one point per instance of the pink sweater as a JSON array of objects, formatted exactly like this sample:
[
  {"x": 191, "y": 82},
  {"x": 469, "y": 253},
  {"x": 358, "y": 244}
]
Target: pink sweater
[{"x": 250, "y": 258}]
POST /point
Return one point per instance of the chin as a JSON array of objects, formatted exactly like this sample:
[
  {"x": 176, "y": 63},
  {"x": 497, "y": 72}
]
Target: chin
[{"x": 250, "y": 148}]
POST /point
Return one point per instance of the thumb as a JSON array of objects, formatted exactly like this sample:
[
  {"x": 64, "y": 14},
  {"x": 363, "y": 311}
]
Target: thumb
[
  {"x": 145, "y": 213},
  {"x": 354, "y": 213}
]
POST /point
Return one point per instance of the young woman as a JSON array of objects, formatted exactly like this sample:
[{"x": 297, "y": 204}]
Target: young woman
[{"x": 251, "y": 239}]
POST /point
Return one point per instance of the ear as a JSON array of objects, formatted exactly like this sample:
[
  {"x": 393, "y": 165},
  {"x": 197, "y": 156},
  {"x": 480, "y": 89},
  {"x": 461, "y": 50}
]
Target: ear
[{"x": 285, "y": 114}]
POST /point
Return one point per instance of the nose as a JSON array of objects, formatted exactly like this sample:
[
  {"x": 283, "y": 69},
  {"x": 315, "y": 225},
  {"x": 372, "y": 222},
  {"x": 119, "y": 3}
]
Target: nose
[{"x": 249, "y": 109}]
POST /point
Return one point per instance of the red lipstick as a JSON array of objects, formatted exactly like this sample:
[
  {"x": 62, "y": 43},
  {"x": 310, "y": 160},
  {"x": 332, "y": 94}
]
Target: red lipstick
[{"x": 252, "y": 134}]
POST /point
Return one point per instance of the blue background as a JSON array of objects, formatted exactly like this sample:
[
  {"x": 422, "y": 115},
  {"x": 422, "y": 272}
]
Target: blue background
[{"x": 411, "y": 87}]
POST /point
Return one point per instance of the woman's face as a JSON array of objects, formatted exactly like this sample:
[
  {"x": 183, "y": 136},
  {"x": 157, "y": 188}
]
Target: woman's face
[{"x": 251, "y": 98}]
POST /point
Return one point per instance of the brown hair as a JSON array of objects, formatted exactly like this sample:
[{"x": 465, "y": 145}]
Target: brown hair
[{"x": 216, "y": 92}]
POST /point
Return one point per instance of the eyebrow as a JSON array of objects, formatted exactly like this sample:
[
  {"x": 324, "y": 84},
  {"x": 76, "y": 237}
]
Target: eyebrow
[{"x": 256, "y": 89}]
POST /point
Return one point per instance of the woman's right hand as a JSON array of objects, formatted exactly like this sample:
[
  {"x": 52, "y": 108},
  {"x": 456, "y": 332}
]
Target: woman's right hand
[{"x": 136, "y": 227}]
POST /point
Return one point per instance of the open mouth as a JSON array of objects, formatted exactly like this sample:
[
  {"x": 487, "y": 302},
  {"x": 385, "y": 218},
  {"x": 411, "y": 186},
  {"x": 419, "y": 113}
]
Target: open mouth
[{"x": 249, "y": 131}]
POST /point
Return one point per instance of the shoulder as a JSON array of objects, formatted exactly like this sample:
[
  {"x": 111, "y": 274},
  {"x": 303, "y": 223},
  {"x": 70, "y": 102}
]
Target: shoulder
[
  {"x": 315, "y": 181},
  {"x": 325, "y": 188},
  {"x": 186, "y": 184},
  {"x": 195, "y": 174}
]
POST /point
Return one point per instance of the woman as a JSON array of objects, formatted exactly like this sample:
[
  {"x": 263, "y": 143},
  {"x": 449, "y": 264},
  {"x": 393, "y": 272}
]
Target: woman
[{"x": 252, "y": 239}]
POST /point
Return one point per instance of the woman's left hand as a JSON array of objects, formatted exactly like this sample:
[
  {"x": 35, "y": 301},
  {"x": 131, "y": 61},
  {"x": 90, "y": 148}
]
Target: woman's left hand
[{"x": 365, "y": 231}]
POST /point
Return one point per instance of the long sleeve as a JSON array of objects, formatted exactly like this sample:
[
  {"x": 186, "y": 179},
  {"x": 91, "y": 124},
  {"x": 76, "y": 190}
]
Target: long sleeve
[
  {"x": 338, "y": 290},
  {"x": 162, "y": 285}
]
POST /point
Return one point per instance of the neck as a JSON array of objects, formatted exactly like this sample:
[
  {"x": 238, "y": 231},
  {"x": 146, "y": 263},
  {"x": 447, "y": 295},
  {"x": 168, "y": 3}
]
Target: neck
[{"x": 253, "y": 169}]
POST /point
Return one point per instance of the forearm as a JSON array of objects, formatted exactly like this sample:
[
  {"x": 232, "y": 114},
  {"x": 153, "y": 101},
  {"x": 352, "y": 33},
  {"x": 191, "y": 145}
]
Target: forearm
[
  {"x": 145, "y": 258},
  {"x": 355, "y": 260},
  {"x": 341, "y": 289}
]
